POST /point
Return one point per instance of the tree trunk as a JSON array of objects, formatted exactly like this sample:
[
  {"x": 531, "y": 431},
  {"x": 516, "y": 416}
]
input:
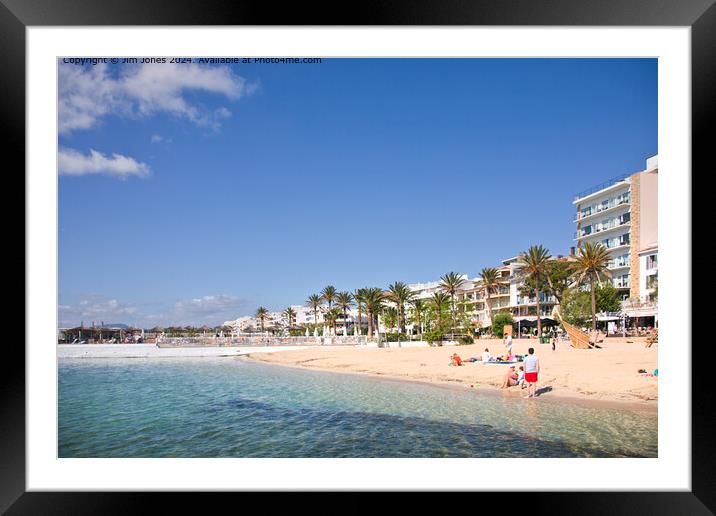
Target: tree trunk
[
  {"x": 370, "y": 323},
  {"x": 594, "y": 307},
  {"x": 489, "y": 308},
  {"x": 539, "y": 321}
]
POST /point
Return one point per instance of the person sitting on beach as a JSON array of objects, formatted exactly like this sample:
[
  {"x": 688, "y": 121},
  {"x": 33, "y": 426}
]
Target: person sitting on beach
[
  {"x": 455, "y": 360},
  {"x": 510, "y": 378},
  {"x": 486, "y": 355}
]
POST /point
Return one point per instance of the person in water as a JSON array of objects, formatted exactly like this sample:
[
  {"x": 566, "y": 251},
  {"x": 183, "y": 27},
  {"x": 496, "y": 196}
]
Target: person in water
[{"x": 531, "y": 372}]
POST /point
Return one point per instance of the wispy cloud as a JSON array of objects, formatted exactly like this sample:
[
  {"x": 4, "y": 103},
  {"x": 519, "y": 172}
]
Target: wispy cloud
[
  {"x": 210, "y": 310},
  {"x": 87, "y": 94},
  {"x": 73, "y": 163},
  {"x": 203, "y": 307},
  {"x": 94, "y": 308},
  {"x": 158, "y": 138}
]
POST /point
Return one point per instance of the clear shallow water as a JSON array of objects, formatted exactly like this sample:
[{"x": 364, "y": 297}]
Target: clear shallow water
[{"x": 229, "y": 407}]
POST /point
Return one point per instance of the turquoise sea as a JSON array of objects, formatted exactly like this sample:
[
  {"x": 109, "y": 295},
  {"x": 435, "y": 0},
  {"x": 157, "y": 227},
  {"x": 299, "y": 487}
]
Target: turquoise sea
[{"x": 232, "y": 407}]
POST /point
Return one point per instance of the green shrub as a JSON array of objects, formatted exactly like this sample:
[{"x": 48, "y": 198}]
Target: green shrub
[
  {"x": 433, "y": 336},
  {"x": 466, "y": 339},
  {"x": 499, "y": 321},
  {"x": 393, "y": 337}
]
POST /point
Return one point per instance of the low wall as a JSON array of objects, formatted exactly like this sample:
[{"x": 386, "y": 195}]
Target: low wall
[
  {"x": 192, "y": 342},
  {"x": 152, "y": 351}
]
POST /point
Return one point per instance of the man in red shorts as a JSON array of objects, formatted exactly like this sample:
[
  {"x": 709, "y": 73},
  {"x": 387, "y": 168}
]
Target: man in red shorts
[{"x": 531, "y": 370}]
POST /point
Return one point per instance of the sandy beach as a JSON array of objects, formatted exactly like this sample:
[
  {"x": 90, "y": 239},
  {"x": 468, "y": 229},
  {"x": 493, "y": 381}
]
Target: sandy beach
[{"x": 608, "y": 374}]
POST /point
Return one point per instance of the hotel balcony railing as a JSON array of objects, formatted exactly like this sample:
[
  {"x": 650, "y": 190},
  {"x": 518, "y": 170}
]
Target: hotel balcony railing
[
  {"x": 599, "y": 208},
  {"x": 601, "y": 186},
  {"x": 583, "y": 233},
  {"x": 639, "y": 303}
]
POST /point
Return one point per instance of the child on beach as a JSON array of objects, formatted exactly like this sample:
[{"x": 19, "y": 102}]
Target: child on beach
[{"x": 521, "y": 378}]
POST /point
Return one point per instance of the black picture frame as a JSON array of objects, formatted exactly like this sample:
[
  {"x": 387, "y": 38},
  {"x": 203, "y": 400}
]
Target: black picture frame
[{"x": 17, "y": 15}]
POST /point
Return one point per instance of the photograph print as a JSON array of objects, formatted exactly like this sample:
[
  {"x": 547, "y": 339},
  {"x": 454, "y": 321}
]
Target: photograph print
[{"x": 357, "y": 257}]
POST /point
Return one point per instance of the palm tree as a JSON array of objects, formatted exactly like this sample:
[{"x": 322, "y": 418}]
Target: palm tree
[
  {"x": 390, "y": 317},
  {"x": 290, "y": 315},
  {"x": 329, "y": 295},
  {"x": 344, "y": 300},
  {"x": 418, "y": 309},
  {"x": 261, "y": 314},
  {"x": 331, "y": 317},
  {"x": 439, "y": 300},
  {"x": 591, "y": 264},
  {"x": 534, "y": 264},
  {"x": 451, "y": 283},
  {"x": 359, "y": 297},
  {"x": 314, "y": 301},
  {"x": 490, "y": 282},
  {"x": 399, "y": 293},
  {"x": 373, "y": 299}
]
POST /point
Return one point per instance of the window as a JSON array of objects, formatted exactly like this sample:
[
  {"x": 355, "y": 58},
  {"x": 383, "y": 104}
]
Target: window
[{"x": 651, "y": 262}]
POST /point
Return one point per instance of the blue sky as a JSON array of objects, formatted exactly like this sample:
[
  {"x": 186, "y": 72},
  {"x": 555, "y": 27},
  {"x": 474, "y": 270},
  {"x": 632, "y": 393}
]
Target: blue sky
[{"x": 191, "y": 194}]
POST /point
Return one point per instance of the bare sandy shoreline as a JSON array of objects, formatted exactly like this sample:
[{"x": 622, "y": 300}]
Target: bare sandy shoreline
[{"x": 609, "y": 375}]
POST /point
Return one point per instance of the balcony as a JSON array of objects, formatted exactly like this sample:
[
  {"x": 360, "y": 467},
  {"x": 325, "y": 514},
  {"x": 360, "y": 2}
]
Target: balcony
[
  {"x": 601, "y": 208},
  {"x": 601, "y": 186},
  {"x": 602, "y": 228}
]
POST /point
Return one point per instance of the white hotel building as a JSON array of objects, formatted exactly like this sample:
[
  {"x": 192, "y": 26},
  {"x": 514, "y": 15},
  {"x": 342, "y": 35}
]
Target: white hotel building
[{"x": 622, "y": 214}]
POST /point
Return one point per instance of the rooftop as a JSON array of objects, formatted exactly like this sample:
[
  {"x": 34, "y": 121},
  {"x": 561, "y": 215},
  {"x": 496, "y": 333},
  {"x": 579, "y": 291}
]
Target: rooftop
[{"x": 602, "y": 186}]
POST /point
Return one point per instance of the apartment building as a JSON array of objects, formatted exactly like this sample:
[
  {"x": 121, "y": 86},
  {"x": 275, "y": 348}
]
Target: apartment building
[{"x": 621, "y": 214}]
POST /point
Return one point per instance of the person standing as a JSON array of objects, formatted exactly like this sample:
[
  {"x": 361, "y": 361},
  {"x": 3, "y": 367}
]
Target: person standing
[
  {"x": 508, "y": 343},
  {"x": 531, "y": 371}
]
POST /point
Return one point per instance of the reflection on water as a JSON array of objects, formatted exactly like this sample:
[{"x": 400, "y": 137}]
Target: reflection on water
[{"x": 229, "y": 407}]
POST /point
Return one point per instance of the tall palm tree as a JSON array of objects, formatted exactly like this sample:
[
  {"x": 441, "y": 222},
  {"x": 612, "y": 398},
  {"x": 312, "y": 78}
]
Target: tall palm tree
[
  {"x": 290, "y": 315},
  {"x": 450, "y": 284},
  {"x": 399, "y": 293},
  {"x": 344, "y": 300},
  {"x": 374, "y": 298},
  {"x": 490, "y": 282},
  {"x": 359, "y": 296},
  {"x": 591, "y": 265},
  {"x": 418, "y": 309},
  {"x": 314, "y": 301},
  {"x": 331, "y": 318},
  {"x": 329, "y": 295},
  {"x": 534, "y": 264},
  {"x": 261, "y": 314},
  {"x": 439, "y": 301}
]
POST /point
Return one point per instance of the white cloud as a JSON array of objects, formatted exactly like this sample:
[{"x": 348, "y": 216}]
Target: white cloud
[
  {"x": 205, "y": 306},
  {"x": 88, "y": 94},
  {"x": 93, "y": 309},
  {"x": 158, "y": 138},
  {"x": 73, "y": 163},
  {"x": 207, "y": 310}
]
